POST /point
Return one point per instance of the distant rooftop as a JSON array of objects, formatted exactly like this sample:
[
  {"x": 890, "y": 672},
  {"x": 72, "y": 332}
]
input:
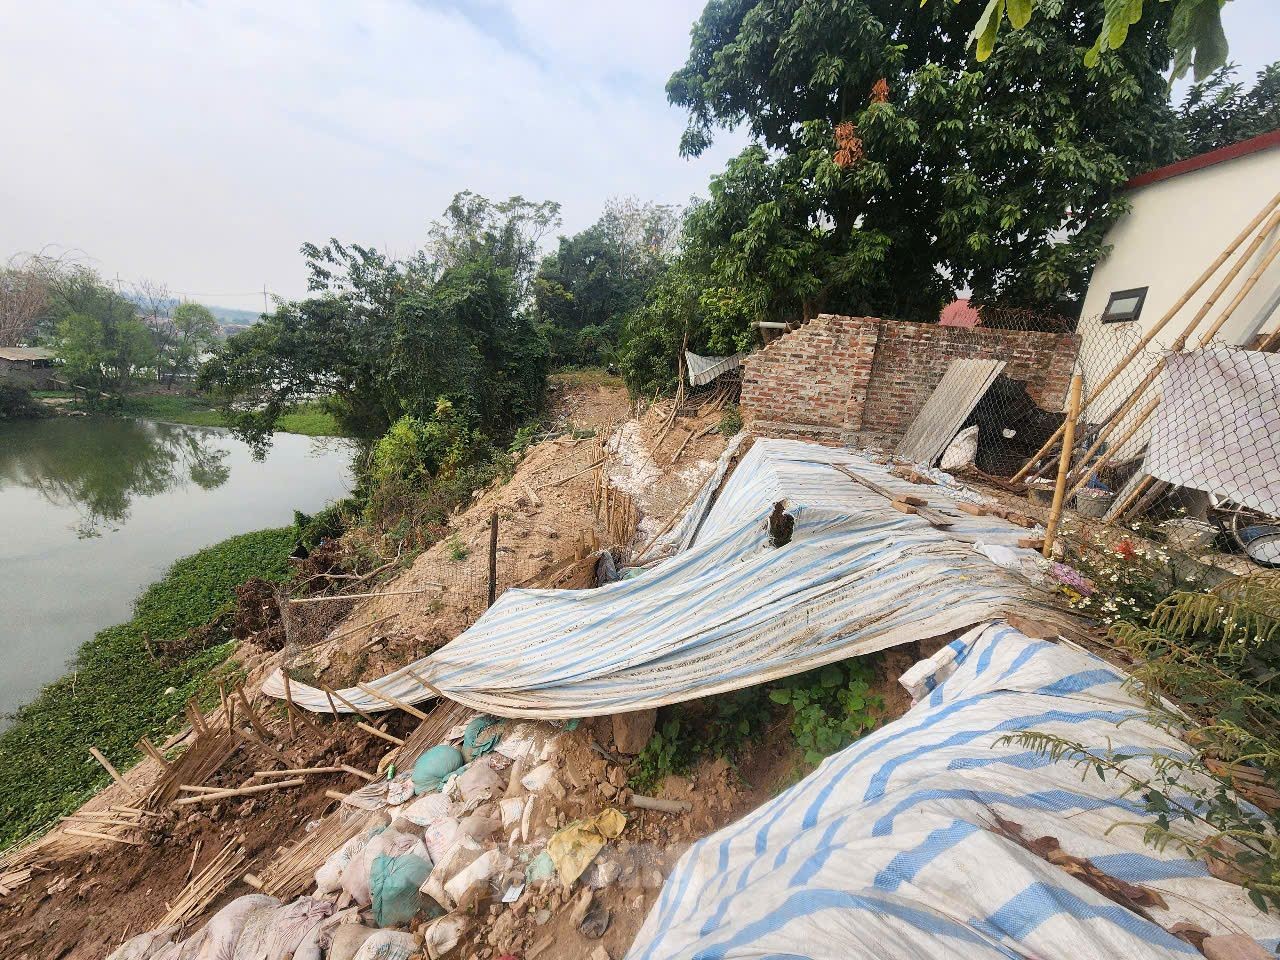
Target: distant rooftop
[{"x": 26, "y": 353}]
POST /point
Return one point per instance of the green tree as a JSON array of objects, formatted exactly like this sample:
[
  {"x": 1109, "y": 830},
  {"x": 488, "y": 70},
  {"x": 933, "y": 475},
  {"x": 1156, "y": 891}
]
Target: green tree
[
  {"x": 381, "y": 338},
  {"x": 891, "y": 169},
  {"x": 190, "y": 332},
  {"x": 107, "y": 356},
  {"x": 594, "y": 279},
  {"x": 1222, "y": 111}
]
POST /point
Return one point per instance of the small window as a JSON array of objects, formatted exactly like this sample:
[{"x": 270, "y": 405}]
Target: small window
[{"x": 1124, "y": 305}]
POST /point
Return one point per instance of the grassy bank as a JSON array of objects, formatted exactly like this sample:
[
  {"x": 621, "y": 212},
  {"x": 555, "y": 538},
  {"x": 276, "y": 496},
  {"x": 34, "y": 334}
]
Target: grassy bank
[
  {"x": 309, "y": 419},
  {"x": 119, "y": 687}
]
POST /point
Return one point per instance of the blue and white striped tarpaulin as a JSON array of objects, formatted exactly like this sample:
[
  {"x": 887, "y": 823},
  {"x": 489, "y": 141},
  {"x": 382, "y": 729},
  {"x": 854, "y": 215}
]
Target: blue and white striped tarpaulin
[
  {"x": 729, "y": 611},
  {"x": 892, "y": 848}
]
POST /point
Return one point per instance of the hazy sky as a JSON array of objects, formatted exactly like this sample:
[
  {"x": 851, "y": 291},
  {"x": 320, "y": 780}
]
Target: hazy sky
[{"x": 199, "y": 143}]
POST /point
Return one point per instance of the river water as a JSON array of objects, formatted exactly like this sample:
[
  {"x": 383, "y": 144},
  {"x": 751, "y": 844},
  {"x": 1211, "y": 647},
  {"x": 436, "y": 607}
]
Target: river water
[{"x": 92, "y": 510}]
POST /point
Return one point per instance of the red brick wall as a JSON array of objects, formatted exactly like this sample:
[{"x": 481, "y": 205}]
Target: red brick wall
[{"x": 837, "y": 377}]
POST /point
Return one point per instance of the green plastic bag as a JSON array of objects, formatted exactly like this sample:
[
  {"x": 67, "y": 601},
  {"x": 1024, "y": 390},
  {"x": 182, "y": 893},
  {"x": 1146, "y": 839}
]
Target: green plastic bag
[
  {"x": 477, "y": 726},
  {"x": 434, "y": 766},
  {"x": 393, "y": 886}
]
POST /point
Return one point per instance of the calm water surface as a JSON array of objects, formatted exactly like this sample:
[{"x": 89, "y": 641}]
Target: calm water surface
[{"x": 92, "y": 510}]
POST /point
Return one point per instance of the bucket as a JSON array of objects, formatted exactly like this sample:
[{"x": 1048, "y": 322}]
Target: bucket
[
  {"x": 1094, "y": 503},
  {"x": 1189, "y": 536},
  {"x": 1262, "y": 544},
  {"x": 1040, "y": 492}
]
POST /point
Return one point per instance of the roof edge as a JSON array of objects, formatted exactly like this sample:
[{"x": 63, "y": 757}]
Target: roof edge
[{"x": 1256, "y": 144}]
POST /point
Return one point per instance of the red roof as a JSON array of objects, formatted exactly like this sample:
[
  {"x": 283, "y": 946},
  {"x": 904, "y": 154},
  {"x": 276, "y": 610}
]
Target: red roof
[
  {"x": 1261, "y": 142},
  {"x": 959, "y": 313}
]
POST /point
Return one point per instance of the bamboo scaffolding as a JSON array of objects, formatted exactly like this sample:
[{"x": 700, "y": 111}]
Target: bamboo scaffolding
[{"x": 1269, "y": 213}]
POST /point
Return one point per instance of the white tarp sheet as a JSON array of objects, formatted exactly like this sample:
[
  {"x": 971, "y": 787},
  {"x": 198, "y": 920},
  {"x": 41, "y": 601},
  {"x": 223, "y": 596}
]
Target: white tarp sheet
[
  {"x": 702, "y": 370},
  {"x": 1217, "y": 428},
  {"x": 729, "y": 611},
  {"x": 887, "y": 851}
]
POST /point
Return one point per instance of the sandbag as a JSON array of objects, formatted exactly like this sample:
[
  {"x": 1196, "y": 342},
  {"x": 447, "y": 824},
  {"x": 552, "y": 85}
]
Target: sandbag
[
  {"x": 329, "y": 873},
  {"x": 145, "y": 945},
  {"x": 480, "y": 782},
  {"x": 441, "y": 836},
  {"x": 481, "y": 825},
  {"x": 393, "y": 888},
  {"x": 484, "y": 868},
  {"x": 221, "y": 934},
  {"x": 432, "y": 769},
  {"x": 388, "y": 945},
  {"x": 347, "y": 941},
  {"x": 427, "y": 809},
  {"x": 274, "y": 933},
  {"x": 460, "y": 855},
  {"x": 318, "y": 940},
  {"x": 391, "y": 843}
]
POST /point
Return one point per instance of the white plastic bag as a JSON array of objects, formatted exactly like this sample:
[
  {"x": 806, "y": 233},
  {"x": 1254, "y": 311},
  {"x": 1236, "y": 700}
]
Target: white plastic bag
[
  {"x": 388, "y": 945},
  {"x": 224, "y": 928},
  {"x": 481, "y": 870},
  {"x": 145, "y": 945},
  {"x": 961, "y": 451}
]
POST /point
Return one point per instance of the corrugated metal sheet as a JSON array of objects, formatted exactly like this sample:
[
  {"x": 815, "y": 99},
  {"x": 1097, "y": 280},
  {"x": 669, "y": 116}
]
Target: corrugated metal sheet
[
  {"x": 947, "y": 408},
  {"x": 702, "y": 370},
  {"x": 730, "y": 611},
  {"x": 890, "y": 848}
]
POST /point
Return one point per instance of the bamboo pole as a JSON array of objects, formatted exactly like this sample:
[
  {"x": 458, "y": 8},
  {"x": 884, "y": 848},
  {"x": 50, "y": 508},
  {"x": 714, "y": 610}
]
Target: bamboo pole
[
  {"x": 112, "y": 771},
  {"x": 357, "y": 772},
  {"x": 333, "y": 707},
  {"x": 1268, "y": 210},
  {"x": 1138, "y": 421},
  {"x": 493, "y": 560},
  {"x": 252, "y": 715},
  {"x": 1064, "y": 465},
  {"x": 387, "y": 698},
  {"x": 1121, "y": 412},
  {"x": 1118, "y": 511},
  {"x": 101, "y": 836},
  {"x": 348, "y": 703},
  {"x": 296, "y": 771},
  {"x": 367, "y": 596},
  {"x": 369, "y": 728},
  {"x": 288, "y": 704},
  {"x": 239, "y": 791},
  {"x": 1249, "y": 283},
  {"x": 425, "y": 682}
]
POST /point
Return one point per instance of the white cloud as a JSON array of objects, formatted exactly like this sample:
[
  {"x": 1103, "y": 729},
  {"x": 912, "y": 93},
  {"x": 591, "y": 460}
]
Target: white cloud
[{"x": 201, "y": 143}]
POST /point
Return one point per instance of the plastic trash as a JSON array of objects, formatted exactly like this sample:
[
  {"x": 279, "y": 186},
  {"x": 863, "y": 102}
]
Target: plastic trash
[
  {"x": 319, "y": 940},
  {"x": 432, "y": 769},
  {"x": 273, "y": 933},
  {"x": 480, "y": 782},
  {"x": 461, "y": 855},
  {"x": 427, "y": 809},
  {"x": 389, "y": 843},
  {"x": 481, "y": 870},
  {"x": 393, "y": 888},
  {"x": 540, "y": 868},
  {"x": 961, "y": 451},
  {"x": 329, "y": 873},
  {"x": 347, "y": 941},
  {"x": 441, "y": 836},
  {"x": 444, "y": 935},
  {"x": 472, "y": 746},
  {"x": 573, "y": 848}
]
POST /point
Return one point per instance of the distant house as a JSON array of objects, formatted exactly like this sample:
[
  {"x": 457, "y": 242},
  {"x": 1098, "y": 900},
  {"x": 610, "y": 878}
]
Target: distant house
[
  {"x": 959, "y": 313},
  {"x": 32, "y": 367},
  {"x": 1181, "y": 218}
]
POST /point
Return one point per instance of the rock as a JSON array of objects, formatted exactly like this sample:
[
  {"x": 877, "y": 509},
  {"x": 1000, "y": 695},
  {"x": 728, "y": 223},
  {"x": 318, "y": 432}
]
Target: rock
[
  {"x": 542, "y": 916},
  {"x": 596, "y": 922},
  {"x": 599, "y": 953},
  {"x": 1189, "y": 932},
  {"x": 608, "y": 791},
  {"x": 1233, "y": 946},
  {"x": 631, "y": 731},
  {"x": 580, "y": 907}
]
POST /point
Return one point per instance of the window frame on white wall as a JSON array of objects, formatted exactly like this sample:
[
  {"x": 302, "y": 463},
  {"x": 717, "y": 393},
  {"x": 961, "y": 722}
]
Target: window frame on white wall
[{"x": 1139, "y": 294}]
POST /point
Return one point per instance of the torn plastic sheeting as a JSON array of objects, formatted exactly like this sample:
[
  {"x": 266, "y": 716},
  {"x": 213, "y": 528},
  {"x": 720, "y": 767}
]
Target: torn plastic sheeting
[
  {"x": 573, "y": 848},
  {"x": 730, "y": 612},
  {"x": 702, "y": 370},
  {"x": 888, "y": 849}
]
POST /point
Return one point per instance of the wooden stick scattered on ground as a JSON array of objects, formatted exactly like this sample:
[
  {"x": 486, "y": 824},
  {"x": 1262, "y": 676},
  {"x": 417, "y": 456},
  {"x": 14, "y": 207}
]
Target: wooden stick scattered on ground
[
  {"x": 112, "y": 771},
  {"x": 356, "y": 771},
  {"x": 368, "y": 728},
  {"x": 572, "y": 476},
  {"x": 425, "y": 682},
  {"x": 239, "y": 791},
  {"x": 102, "y": 836},
  {"x": 295, "y": 771}
]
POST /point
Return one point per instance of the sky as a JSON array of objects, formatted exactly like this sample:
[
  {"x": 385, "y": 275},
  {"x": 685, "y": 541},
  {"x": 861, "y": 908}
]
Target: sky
[{"x": 199, "y": 142}]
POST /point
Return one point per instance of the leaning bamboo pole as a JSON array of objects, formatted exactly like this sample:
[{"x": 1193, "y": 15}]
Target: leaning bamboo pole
[
  {"x": 1064, "y": 465},
  {"x": 1271, "y": 214},
  {"x": 1250, "y": 282},
  {"x": 1148, "y": 409}
]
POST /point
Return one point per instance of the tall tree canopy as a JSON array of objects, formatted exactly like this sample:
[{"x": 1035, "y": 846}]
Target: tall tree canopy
[
  {"x": 381, "y": 339},
  {"x": 1222, "y": 110},
  {"x": 597, "y": 277},
  {"x": 891, "y": 169}
]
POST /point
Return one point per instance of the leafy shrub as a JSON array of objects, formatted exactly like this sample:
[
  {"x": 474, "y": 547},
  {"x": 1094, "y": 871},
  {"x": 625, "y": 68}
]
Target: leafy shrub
[
  {"x": 831, "y": 707},
  {"x": 718, "y": 726},
  {"x": 16, "y": 403},
  {"x": 458, "y": 551},
  {"x": 329, "y": 524},
  {"x": 730, "y": 420}
]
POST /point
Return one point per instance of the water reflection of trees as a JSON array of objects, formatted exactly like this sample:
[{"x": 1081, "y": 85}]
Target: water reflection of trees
[{"x": 98, "y": 467}]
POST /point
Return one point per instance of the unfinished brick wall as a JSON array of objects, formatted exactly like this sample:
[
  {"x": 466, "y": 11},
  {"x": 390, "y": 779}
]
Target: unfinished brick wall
[{"x": 844, "y": 378}]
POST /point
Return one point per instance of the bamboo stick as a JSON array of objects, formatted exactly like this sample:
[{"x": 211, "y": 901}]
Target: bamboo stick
[
  {"x": 239, "y": 791},
  {"x": 572, "y": 476},
  {"x": 425, "y": 682},
  {"x": 102, "y": 836},
  {"x": 111, "y": 771},
  {"x": 1138, "y": 421},
  {"x": 368, "y": 728},
  {"x": 367, "y": 596},
  {"x": 333, "y": 707},
  {"x": 334, "y": 693},
  {"x": 295, "y": 771},
  {"x": 197, "y": 788},
  {"x": 1172, "y": 312},
  {"x": 1118, "y": 511},
  {"x": 357, "y": 772},
  {"x": 1064, "y": 465},
  {"x": 1121, "y": 412},
  {"x": 288, "y": 704},
  {"x": 252, "y": 715},
  {"x": 387, "y": 698}
]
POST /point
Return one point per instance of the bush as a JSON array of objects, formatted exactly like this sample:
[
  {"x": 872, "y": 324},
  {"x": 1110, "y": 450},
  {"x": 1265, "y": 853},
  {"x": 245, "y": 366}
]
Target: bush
[
  {"x": 730, "y": 420},
  {"x": 16, "y": 403}
]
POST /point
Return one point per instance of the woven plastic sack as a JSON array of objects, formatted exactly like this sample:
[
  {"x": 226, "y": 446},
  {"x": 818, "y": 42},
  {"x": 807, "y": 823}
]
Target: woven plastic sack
[
  {"x": 393, "y": 888},
  {"x": 329, "y": 873},
  {"x": 432, "y": 769},
  {"x": 319, "y": 940},
  {"x": 388, "y": 945},
  {"x": 145, "y": 945},
  {"x": 347, "y": 941},
  {"x": 274, "y": 933},
  {"x": 390, "y": 843},
  {"x": 220, "y": 935}
]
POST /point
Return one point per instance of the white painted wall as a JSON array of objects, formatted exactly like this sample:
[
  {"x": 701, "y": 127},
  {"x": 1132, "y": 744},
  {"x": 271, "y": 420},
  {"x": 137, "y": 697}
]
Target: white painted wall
[{"x": 1175, "y": 229}]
